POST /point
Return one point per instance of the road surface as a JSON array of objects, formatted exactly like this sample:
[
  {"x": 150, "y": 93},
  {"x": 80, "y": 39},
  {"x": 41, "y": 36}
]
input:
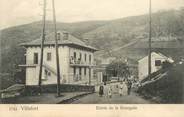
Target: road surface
[{"x": 94, "y": 98}]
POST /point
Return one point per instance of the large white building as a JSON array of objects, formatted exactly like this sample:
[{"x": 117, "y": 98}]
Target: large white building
[
  {"x": 76, "y": 60},
  {"x": 156, "y": 63}
]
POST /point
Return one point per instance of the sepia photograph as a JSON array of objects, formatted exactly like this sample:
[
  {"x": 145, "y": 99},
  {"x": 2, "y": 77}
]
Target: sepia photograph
[{"x": 91, "y": 52}]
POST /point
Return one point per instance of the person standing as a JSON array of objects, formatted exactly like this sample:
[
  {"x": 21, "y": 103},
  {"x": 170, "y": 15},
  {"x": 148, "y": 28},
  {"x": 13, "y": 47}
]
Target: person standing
[
  {"x": 101, "y": 90},
  {"x": 129, "y": 86},
  {"x": 125, "y": 89}
]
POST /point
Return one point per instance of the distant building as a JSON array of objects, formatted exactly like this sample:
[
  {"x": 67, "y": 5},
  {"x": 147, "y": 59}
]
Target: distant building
[
  {"x": 104, "y": 62},
  {"x": 156, "y": 63},
  {"x": 76, "y": 60},
  {"x": 100, "y": 69}
]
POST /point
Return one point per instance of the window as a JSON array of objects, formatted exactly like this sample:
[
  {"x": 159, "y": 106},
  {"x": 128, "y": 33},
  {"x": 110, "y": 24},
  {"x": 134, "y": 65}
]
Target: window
[
  {"x": 74, "y": 71},
  {"x": 85, "y": 56},
  {"x": 80, "y": 73},
  {"x": 158, "y": 63},
  {"x": 80, "y": 56},
  {"x": 74, "y": 55},
  {"x": 89, "y": 73},
  {"x": 89, "y": 58},
  {"x": 49, "y": 56},
  {"x": 84, "y": 71},
  {"x": 35, "y": 58}
]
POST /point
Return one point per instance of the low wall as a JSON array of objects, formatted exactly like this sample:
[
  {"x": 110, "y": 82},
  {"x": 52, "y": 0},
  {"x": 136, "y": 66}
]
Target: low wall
[{"x": 63, "y": 88}]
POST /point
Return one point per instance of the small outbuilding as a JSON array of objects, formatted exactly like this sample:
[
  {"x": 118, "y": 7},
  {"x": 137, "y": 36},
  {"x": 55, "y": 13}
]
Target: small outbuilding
[{"x": 157, "y": 60}]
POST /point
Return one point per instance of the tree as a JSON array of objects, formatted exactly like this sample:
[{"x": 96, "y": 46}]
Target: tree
[{"x": 118, "y": 68}]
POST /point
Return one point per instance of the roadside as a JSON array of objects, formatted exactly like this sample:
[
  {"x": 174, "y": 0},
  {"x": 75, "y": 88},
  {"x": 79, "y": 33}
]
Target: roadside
[{"x": 45, "y": 98}]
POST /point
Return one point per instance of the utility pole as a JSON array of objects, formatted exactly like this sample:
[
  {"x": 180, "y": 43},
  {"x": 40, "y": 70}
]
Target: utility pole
[
  {"x": 42, "y": 44},
  {"x": 56, "y": 47},
  {"x": 149, "y": 56}
]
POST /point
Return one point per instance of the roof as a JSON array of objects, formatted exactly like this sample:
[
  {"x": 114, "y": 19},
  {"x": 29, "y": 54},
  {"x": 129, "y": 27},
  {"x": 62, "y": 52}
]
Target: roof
[
  {"x": 158, "y": 54},
  {"x": 50, "y": 40}
]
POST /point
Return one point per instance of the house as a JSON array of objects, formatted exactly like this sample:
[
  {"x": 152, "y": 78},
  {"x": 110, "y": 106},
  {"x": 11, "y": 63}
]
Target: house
[
  {"x": 156, "y": 63},
  {"x": 104, "y": 62},
  {"x": 76, "y": 60}
]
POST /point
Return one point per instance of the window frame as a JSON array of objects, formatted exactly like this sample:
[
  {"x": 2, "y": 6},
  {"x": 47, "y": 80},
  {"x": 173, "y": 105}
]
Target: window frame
[
  {"x": 74, "y": 55},
  {"x": 35, "y": 58},
  {"x": 74, "y": 70},
  {"x": 85, "y": 71},
  {"x": 156, "y": 63},
  {"x": 80, "y": 71}
]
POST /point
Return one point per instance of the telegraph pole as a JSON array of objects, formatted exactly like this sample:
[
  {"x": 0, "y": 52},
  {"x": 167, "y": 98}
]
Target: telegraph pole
[
  {"x": 56, "y": 47},
  {"x": 149, "y": 56},
  {"x": 42, "y": 44}
]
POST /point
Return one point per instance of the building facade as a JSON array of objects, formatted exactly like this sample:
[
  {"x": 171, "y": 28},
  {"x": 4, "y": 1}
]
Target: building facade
[
  {"x": 156, "y": 64},
  {"x": 76, "y": 60}
]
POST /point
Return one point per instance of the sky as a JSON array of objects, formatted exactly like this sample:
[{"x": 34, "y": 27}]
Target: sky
[{"x": 17, "y": 12}]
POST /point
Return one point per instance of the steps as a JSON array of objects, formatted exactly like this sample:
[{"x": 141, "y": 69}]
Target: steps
[
  {"x": 158, "y": 77},
  {"x": 12, "y": 91},
  {"x": 49, "y": 68}
]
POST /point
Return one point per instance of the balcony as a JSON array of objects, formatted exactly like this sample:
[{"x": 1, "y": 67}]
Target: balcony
[
  {"x": 29, "y": 63},
  {"x": 79, "y": 62}
]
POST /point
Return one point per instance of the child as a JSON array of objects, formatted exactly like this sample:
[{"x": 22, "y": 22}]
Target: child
[{"x": 121, "y": 89}]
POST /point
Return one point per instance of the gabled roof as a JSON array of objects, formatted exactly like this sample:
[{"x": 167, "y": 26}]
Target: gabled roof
[
  {"x": 158, "y": 54},
  {"x": 50, "y": 40}
]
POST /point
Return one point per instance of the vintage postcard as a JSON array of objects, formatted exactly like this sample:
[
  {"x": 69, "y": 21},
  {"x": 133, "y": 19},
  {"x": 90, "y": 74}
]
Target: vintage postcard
[{"x": 105, "y": 57}]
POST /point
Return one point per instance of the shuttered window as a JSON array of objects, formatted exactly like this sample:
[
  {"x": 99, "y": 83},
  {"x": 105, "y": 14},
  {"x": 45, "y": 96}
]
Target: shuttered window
[
  {"x": 158, "y": 62},
  {"x": 48, "y": 56}
]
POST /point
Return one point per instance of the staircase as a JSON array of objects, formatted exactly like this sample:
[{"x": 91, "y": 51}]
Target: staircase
[
  {"x": 154, "y": 79},
  {"x": 12, "y": 91},
  {"x": 49, "y": 68}
]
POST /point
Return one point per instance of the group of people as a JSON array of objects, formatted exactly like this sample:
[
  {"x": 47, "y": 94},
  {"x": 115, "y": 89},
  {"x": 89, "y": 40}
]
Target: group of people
[{"x": 124, "y": 88}]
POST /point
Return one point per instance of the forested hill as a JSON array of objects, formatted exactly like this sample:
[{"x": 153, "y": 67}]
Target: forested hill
[{"x": 105, "y": 35}]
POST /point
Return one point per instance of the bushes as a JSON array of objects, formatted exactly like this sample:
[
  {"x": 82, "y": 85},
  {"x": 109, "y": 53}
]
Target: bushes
[{"x": 118, "y": 68}]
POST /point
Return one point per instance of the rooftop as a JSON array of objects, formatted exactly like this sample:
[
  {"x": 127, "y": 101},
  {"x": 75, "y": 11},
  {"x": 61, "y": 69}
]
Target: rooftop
[
  {"x": 159, "y": 54},
  {"x": 64, "y": 39}
]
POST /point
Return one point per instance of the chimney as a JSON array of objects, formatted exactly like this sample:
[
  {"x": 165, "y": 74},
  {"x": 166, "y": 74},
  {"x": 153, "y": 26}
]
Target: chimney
[
  {"x": 86, "y": 40},
  {"x": 58, "y": 35},
  {"x": 65, "y": 35}
]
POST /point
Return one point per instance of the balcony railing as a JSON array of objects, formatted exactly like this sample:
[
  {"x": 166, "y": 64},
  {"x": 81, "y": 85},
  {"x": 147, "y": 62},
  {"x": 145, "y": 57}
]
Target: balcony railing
[{"x": 79, "y": 62}]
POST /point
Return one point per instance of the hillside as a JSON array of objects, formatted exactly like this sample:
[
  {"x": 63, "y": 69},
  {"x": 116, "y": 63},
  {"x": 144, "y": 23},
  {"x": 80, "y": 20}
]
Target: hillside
[
  {"x": 165, "y": 24},
  {"x": 105, "y": 35}
]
